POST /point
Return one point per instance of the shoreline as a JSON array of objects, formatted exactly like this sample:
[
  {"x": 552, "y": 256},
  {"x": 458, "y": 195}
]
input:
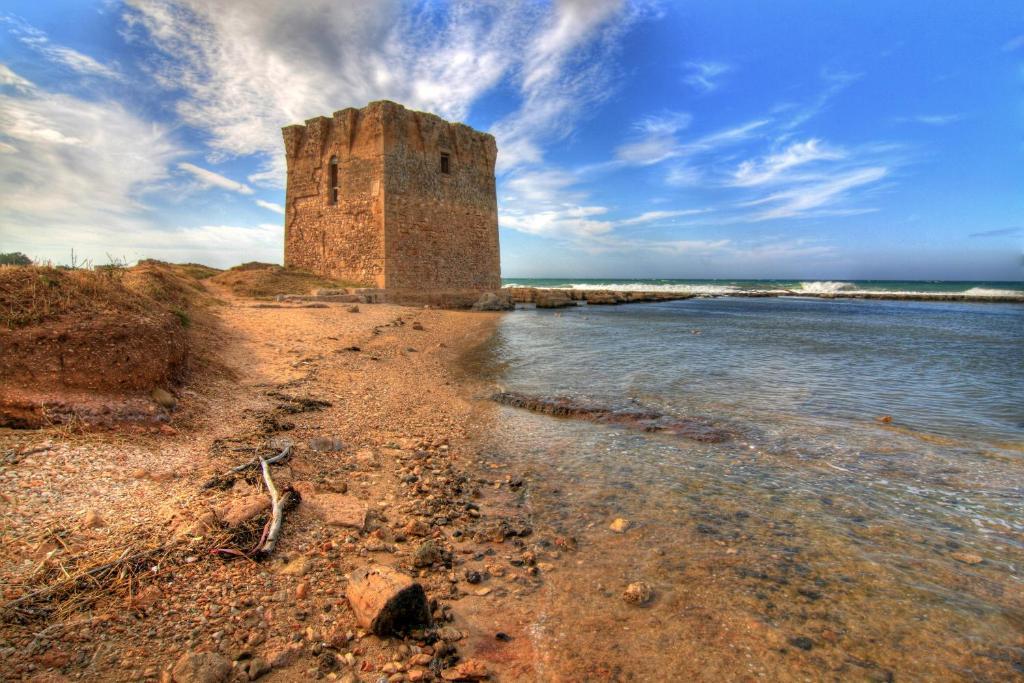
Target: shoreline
[{"x": 400, "y": 414}]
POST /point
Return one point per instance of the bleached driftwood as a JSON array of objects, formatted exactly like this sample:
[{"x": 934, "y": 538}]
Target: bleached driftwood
[
  {"x": 224, "y": 480},
  {"x": 277, "y": 508}
]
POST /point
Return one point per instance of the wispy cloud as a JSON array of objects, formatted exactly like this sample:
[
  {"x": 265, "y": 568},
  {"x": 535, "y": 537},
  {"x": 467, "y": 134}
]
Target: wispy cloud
[
  {"x": 81, "y": 170},
  {"x": 999, "y": 232},
  {"x": 567, "y": 68},
  {"x": 230, "y": 61},
  {"x": 653, "y": 216},
  {"x": 10, "y": 79},
  {"x": 59, "y": 54},
  {"x": 774, "y": 166},
  {"x": 1013, "y": 44},
  {"x": 705, "y": 76},
  {"x": 209, "y": 178},
  {"x": 658, "y": 144},
  {"x": 932, "y": 119},
  {"x": 270, "y": 206},
  {"x": 549, "y": 203},
  {"x": 816, "y": 195},
  {"x": 794, "y": 115}
]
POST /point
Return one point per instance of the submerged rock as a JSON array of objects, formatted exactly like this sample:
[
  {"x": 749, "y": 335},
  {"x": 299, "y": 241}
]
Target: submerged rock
[
  {"x": 638, "y": 593},
  {"x": 646, "y": 420},
  {"x": 620, "y": 525},
  {"x": 492, "y": 302}
]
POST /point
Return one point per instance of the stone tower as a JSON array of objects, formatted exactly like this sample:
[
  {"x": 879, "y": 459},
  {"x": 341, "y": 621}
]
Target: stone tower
[{"x": 388, "y": 197}]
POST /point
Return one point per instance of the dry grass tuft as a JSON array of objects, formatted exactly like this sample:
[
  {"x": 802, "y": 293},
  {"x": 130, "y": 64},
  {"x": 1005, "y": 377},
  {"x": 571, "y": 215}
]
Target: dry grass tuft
[
  {"x": 264, "y": 280},
  {"x": 30, "y": 295},
  {"x": 167, "y": 284},
  {"x": 121, "y": 567},
  {"x": 195, "y": 271}
]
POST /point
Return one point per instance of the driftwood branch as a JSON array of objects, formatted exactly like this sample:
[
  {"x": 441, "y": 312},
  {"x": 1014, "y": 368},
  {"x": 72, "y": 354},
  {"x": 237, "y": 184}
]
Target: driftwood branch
[
  {"x": 225, "y": 480},
  {"x": 277, "y": 507}
]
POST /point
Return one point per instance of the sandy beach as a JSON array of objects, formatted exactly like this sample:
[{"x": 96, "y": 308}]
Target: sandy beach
[{"x": 387, "y": 448}]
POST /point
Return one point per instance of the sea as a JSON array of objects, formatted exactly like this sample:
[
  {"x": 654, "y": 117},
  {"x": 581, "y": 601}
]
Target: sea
[
  {"x": 725, "y": 287},
  {"x": 864, "y": 519}
]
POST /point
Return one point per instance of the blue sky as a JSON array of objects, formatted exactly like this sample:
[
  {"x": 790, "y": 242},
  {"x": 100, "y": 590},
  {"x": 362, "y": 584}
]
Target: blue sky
[{"x": 636, "y": 139}]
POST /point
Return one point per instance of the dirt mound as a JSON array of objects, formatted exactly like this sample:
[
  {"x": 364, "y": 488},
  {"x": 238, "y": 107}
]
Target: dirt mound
[
  {"x": 264, "y": 280},
  {"x": 91, "y": 344},
  {"x": 167, "y": 284}
]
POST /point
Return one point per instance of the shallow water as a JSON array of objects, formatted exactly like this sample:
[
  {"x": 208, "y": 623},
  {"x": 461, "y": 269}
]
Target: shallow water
[{"x": 818, "y": 543}]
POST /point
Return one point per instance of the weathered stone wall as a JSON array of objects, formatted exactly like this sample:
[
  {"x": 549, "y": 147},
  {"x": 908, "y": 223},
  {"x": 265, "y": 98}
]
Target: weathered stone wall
[
  {"x": 400, "y": 222},
  {"x": 441, "y": 228},
  {"x": 343, "y": 240}
]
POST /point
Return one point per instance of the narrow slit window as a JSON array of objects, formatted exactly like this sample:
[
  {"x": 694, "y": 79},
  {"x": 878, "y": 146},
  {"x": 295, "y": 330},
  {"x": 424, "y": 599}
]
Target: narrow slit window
[
  {"x": 445, "y": 164},
  {"x": 333, "y": 186}
]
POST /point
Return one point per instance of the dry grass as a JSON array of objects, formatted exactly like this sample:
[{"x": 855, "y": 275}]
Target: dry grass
[
  {"x": 30, "y": 295},
  {"x": 264, "y": 280},
  {"x": 120, "y": 567},
  {"x": 195, "y": 271}
]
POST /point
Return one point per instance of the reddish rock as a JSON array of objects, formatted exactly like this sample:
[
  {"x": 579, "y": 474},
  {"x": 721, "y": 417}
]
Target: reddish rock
[
  {"x": 240, "y": 510},
  {"x": 468, "y": 670},
  {"x": 335, "y": 509},
  {"x": 201, "y": 667},
  {"x": 386, "y": 601}
]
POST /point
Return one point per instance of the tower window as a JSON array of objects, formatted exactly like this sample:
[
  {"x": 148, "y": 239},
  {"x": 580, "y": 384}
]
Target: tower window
[
  {"x": 445, "y": 163},
  {"x": 332, "y": 181}
]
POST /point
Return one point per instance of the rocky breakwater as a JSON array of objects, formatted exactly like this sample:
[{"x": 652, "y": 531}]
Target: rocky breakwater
[
  {"x": 633, "y": 417},
  {"x": 561, "y": 297}
]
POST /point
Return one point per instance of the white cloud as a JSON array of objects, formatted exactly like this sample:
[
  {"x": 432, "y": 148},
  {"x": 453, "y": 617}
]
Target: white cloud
[
  {"x": 683, "y": 175},
  {"x": 932, "y": 119},
  {"x": 667, "y": 123},
  {"x": 565, "y": 71},
  {"x": 574, "y": 221},
  {"x": 270, "y": 206},
  {"x": 210, "y": 179},
  {"x": 80, "y": 173},
  {"x": 653, "y": 216},
  {"x": 549, "y": 203},
  {"x": 247, "y": 69},
  {"x": 1014, "y": 43},
  {"x": 662, "y": 142},
  {"x": 704, "y": 76},
  {"x": 13, "y": 80},
  {"x": 773, "y": 167},
  {"x": 59, "y": 54},
  {"x": 835, "y": 83},
  {"x": 816, "y": 195}
]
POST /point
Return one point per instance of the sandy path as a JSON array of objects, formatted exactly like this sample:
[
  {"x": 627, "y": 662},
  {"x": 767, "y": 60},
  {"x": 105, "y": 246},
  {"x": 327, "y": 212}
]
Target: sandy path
[{"x": 401, "y": 421}]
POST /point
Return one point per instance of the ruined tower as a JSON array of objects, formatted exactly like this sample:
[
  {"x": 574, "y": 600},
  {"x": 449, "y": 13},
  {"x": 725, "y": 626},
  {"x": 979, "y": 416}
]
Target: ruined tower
[{"x": 388, "y": 197}]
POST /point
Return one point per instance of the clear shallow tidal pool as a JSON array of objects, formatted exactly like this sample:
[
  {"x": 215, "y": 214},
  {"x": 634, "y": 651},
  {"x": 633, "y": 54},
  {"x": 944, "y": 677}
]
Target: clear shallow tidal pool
[{"x": 819, "y": 542}]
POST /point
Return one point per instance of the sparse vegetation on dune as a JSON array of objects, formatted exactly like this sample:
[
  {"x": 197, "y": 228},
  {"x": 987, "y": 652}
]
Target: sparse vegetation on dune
[
  {"x": 263, "y": 280},
  {"x": 196, "y": 271},
  {"x": 30, "y": 295},
  {"x": 90, "y": 344}
]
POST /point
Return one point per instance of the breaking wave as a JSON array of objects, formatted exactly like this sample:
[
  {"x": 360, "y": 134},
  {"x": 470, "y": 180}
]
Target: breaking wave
[
  {"x": 649, "y": 287},
  {"x": 827, "y": 287},
  {"x": 984, "y": 291}
]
